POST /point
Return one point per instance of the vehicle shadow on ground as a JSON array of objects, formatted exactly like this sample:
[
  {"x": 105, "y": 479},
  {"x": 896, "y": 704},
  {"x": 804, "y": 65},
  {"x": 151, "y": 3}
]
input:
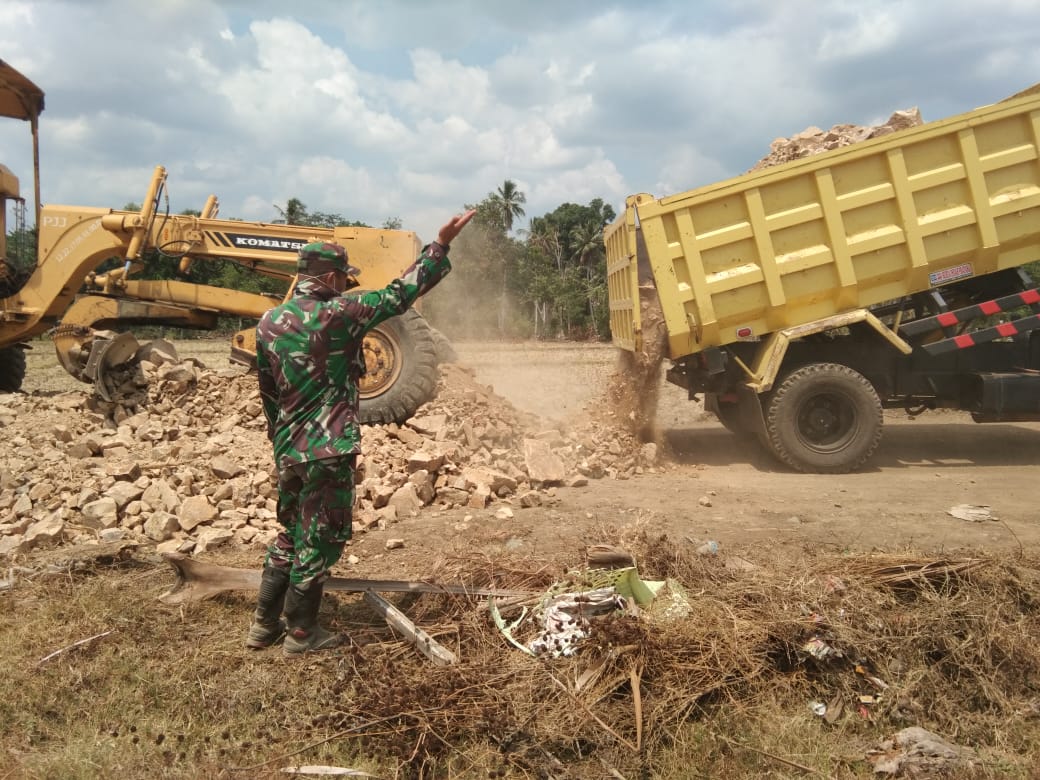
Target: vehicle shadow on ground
[
  {"x": 902, "y": 445},
  {"x": 957, "y": 444}
]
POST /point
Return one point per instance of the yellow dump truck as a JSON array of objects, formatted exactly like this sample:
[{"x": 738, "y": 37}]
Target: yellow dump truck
[{"x": 803, "y": 299}]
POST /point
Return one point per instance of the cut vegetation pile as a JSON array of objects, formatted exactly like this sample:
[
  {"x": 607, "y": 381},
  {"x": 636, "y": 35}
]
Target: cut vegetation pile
[{"x": 750, "y": 668}]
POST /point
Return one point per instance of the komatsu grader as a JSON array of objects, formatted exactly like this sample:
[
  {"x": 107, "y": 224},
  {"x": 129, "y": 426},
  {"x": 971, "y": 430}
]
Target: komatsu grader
[{"x": 81, "y": 286}]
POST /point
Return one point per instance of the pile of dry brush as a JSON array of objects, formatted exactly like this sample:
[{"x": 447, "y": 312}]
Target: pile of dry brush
[{"x": 881, "y": 642}]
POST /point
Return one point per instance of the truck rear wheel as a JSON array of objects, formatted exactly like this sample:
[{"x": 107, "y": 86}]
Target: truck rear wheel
[
  {"x": 730, "y": 414},
  {"x": 12, "y": 369},
  {"x": 401, "y": 363},
  {"x": 824, "y": 418}
]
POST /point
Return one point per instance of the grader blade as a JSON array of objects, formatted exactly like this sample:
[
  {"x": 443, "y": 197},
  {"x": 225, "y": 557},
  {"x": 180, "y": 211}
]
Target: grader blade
[
  {"x": 105, "y": 355},
  {"x": 89, "y": 355}
]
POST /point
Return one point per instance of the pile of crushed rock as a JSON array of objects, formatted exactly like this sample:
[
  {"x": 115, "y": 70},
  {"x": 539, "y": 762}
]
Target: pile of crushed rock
[
  {"x": 813, "y": 140},
  {"x": 180, "y": 459}
]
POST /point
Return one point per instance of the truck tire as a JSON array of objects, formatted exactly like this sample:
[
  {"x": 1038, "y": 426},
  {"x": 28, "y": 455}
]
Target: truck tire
[
  {"x": 823, "y": 418},
  {"x": 12, "y": 369},
  {"x": 401, "y": 359},
  {"x": 730, "y": 415}
]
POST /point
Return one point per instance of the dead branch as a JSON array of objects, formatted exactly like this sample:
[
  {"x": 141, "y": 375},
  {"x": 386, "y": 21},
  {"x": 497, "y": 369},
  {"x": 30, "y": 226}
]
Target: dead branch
[{"x": 48, "y": 657}]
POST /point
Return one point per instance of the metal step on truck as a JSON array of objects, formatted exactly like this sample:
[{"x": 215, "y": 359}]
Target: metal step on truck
[{"x": 802, "y": 300}]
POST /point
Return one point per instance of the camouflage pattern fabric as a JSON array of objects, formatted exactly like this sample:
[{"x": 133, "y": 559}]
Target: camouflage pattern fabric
[
  {"x": 309, "y": 359},
  {"x": 315, "y": 500},
  {"x": 321, "y": 256}
]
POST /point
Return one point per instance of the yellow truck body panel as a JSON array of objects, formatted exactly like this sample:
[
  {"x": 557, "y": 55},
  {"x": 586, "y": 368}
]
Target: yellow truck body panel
[{"x": 843, "y": 230}]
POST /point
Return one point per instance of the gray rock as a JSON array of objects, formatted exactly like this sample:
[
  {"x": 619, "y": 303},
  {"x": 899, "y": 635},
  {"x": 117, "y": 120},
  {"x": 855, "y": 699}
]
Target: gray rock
[
  {"x": 208, "y": 538},
  {"x": 160, "y": 526},
  {"x": 102, "y": 513},
  {"x": 123, "y": 493},
  {"x": 194, "y": 511},
  {"x": 45, "y": 532},
  {"x": 161, "y": 495},
  {"x": 405, "y": 500},
  {"x": 225, "y": 468}
]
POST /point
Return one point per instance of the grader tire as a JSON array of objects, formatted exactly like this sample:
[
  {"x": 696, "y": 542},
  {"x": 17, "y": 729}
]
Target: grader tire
[
  {"x": 445, "y": 351},
  {"x": 12, "y": 369},
  {"x": 823, "y": 418},
  {"x": 401, "y": 361}
]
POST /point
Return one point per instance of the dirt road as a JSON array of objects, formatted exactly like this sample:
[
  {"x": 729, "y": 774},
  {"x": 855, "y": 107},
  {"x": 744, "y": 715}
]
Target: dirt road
[
  {"x": 923, "y": 467},
  {"x": 711, "y": 484}
]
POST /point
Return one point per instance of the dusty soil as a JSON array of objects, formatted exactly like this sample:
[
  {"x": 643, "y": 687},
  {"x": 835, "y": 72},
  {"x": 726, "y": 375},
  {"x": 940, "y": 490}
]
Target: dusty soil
[
  {"x": 710, "y": 484},
  {"x": 749, "y": 634},
  {"x": 923, "y": 467}
]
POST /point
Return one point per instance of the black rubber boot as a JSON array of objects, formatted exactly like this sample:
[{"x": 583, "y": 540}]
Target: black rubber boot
[
  {"x": 301, "y": 613},
  {"x": 267, "y": 626}
]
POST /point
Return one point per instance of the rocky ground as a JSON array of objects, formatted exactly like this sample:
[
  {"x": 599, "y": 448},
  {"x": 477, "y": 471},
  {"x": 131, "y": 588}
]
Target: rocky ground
[{"x": 181, "y": 460}]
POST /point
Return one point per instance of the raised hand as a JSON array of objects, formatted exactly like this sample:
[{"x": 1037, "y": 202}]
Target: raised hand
[{"x": 454, "y": 226}]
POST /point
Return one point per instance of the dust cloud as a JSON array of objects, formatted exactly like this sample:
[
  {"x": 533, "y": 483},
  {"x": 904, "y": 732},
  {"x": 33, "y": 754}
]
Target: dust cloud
[{"x": 633, "y": 389}]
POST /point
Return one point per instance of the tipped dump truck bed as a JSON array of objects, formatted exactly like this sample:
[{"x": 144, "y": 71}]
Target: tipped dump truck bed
[{"x": 843, "y": 230}]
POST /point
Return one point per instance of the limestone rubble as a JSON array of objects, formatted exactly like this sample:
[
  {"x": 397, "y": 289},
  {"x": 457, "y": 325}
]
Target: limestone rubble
[
  {"x": 813, "y": 140},
  {"x": 180, "y": 459}
]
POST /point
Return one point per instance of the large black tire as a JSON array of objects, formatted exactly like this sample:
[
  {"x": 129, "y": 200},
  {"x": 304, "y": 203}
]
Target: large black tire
[
  {"x": 12, "y": 369},
  {"x": 823, "y": 418},
  {"x": 445, "y": 351},
  {"x": 730, "y": 415},
  {"x": 401, "y": 358}
]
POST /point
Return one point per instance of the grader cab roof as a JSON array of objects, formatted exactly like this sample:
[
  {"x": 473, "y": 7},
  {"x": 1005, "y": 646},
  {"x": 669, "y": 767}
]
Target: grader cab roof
[{"x": 19, "y": 97}]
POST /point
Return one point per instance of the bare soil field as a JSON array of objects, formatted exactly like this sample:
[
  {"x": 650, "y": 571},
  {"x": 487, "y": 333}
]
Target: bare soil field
[
  {"x": 837, "y": 610},
  {"x": 923, "y": 467}
]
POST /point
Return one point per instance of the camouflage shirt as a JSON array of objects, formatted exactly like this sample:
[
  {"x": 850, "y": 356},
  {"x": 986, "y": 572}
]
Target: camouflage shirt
[{"x": 309, "y": 359}]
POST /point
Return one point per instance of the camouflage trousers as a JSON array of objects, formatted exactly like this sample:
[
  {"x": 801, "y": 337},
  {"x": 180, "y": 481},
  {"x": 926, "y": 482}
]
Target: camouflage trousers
[{"x": 315, "y": 502}]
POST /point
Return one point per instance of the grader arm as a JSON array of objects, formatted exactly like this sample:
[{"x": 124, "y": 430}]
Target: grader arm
[{"x": 83, "y": 306}]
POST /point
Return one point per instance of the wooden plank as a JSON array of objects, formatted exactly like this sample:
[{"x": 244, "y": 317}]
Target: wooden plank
[
  {"x": 198, "y": 580},
  {"x": 398, "y": 621}
]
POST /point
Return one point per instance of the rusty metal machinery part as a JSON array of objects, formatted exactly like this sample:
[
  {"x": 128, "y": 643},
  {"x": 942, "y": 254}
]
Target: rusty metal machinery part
[
  {"x": 90, "y": 355},
  {"x": 383, "y": 358}
]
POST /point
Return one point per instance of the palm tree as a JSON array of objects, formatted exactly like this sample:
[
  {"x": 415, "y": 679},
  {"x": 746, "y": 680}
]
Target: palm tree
[
  {"x": 587, "y": 242},
  {"x": 294, "y": 213},
  {"x": 508, "y": 202}
]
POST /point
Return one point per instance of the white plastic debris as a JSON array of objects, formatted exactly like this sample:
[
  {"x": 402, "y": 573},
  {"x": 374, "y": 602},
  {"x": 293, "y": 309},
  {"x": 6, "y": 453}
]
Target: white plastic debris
[
  {"x": 973, "y": 513},
  {"x": 565, "y": 620},
  {"x": 321, "y": 770}
]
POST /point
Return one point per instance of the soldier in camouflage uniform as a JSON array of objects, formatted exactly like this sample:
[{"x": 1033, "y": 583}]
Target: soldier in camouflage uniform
[{"x": 309, "y": 361}]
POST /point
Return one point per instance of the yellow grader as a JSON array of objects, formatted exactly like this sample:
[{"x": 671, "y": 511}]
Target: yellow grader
[{"x": 61, "y": 291}]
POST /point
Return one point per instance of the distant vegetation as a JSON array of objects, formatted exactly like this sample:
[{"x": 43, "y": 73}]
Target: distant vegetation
[{"x": 545, "y": 282}]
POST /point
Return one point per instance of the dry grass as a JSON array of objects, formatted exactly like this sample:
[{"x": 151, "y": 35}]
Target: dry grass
[{"x": 722, "y": 693}]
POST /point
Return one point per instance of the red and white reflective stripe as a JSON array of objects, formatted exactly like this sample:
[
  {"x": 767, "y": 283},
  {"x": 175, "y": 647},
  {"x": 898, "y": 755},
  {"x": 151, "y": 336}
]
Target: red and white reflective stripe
[
  {"x": 968, "y": 313},
  {"x": 966, "y": 340}
]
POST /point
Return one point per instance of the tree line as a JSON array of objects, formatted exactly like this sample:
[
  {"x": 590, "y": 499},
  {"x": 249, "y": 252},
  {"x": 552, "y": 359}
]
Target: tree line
[{"x": 546, "y": 281}]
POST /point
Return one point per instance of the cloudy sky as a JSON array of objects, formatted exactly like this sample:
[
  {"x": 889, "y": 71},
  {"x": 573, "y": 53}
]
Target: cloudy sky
[{"x": 411, "y": 108}]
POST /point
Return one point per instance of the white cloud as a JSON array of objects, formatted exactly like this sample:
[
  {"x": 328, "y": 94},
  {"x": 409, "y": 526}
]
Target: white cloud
[
  {"x": 15, "y": 13},
  {"x": 596, "y": 179},
  {"x": 867, "y": 31},
  {"x": 411, "y": 109}
]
